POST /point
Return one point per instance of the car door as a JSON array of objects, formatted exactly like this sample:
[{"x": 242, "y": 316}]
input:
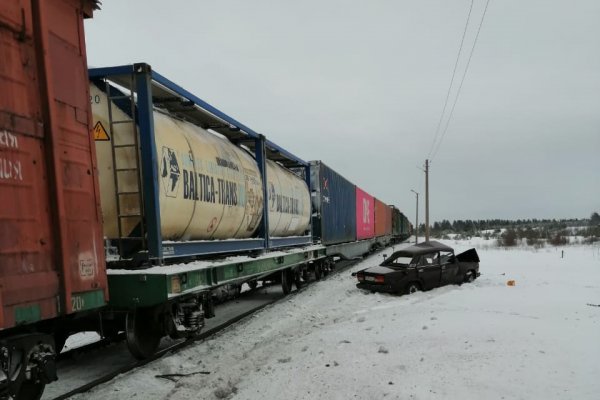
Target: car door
[
  {"x": 429, "y": 271},
  {"x": 450, "y": 268}
]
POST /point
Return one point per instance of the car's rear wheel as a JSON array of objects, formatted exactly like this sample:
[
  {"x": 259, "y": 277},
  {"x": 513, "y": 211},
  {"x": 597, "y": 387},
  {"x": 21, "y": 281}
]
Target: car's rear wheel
[{"x": 413, "y": 288}]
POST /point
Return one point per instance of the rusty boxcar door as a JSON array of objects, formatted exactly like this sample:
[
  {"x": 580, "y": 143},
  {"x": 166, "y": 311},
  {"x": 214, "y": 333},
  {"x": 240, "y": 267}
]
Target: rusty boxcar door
[{"x": 51, "y": 248}]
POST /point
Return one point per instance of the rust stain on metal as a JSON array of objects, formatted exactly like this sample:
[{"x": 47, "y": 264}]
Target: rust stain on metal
[{"x": 50, "y": 229}]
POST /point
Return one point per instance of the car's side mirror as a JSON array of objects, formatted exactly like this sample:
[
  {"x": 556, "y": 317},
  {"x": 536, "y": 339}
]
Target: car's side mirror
[{"x": 384, "y": 256}]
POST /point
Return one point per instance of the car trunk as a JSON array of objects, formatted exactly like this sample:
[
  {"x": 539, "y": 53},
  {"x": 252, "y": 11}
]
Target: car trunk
[
  {"x": 374, "y": 275},
  {"x": 468, "y": 256}
]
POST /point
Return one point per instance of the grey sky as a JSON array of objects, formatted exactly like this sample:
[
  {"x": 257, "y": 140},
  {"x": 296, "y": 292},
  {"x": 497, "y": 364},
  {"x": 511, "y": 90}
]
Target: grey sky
[{"x": 360, "y": 85}]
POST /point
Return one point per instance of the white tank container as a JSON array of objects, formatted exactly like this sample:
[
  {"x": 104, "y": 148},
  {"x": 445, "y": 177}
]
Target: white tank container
[
  {"x": 289, "y": 202},
  {"x": 208, "y": 187}
]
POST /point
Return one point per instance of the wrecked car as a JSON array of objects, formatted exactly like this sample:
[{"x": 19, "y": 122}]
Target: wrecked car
[{"x": 422, "y": 266}]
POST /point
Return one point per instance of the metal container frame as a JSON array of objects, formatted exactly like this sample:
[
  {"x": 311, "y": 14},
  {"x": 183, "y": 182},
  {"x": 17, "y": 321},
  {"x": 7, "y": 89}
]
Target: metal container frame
[{"x": 152, "y": 88}]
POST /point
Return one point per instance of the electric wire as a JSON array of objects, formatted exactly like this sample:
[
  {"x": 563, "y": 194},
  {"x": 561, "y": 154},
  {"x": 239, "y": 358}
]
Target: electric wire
[
  {"x": 461, "y": 81},
  {"x": 462, "y": 41}
]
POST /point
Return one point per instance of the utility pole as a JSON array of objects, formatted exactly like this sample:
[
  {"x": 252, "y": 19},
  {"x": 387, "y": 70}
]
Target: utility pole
[
  {"x": 416, "y": 218},
  {"x": 426, "y": 201}
]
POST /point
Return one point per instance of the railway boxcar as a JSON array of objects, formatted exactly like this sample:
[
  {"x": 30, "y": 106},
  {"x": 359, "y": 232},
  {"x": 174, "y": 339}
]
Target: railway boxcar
[{"x": 51, "y": 248}]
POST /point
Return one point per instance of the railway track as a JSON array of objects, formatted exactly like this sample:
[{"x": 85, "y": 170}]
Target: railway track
[{"x": 107, "y": 376}]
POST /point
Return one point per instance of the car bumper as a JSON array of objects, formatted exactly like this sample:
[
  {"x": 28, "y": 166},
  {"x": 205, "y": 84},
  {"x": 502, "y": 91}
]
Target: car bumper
[{"x": 375, "y": 287}]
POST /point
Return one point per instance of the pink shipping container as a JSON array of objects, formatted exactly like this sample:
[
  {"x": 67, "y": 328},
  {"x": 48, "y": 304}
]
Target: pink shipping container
[
  {"x": 383, "y": 219},
  {"x": 365, "y": 215}
]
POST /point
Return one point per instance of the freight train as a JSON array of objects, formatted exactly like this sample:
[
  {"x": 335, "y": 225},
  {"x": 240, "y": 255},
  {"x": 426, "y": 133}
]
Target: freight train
[{"x": 126, "y": 201}]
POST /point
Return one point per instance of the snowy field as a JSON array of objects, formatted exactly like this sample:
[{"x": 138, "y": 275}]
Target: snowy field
[{"x": 539, "y": 339}]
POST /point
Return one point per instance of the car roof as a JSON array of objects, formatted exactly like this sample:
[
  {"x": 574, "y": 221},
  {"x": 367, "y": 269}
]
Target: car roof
[{"x": 424, "y": 248}]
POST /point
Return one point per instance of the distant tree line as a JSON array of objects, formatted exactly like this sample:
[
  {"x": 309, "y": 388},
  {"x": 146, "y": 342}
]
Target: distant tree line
[{"x": 533, "y": 232}]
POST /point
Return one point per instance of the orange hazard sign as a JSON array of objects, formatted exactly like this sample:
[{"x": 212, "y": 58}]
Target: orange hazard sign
[{"x": 99, "y": 132}]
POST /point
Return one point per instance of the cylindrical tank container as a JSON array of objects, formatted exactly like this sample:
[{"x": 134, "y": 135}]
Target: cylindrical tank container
[
  {"x": 289, "y": 202},
  {"x": 208, "y": 187},
  {"x": 365, "y": 215}
]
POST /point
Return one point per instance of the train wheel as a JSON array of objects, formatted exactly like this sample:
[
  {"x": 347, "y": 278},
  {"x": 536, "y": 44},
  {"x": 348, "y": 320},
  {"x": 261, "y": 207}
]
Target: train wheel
[
  {"x": 253, "y": 284},
  {"x": 287, "y": 277},
  {"x": 298, "y": 279},
  {"x": 318, "y": 270},
  {"x": 142, "y": 334},
  {"x": 31, "y": 390}
]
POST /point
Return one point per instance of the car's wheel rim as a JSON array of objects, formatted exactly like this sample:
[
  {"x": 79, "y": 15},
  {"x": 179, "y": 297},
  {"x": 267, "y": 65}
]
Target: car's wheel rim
[{"x": 413, "y": 289}]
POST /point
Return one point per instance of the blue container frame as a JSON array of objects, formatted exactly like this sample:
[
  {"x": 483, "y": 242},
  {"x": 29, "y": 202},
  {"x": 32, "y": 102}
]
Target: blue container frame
[{"x": 157, "y": 250}]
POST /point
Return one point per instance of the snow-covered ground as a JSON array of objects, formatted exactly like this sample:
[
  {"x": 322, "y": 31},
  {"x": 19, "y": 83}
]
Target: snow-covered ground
[{"x": 539, "y": 339}]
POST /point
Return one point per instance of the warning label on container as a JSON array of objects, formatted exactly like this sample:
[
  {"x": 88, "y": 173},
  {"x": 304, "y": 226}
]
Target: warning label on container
[
  {"x": 86, "y": 268},
  {"x": 100, "y": 133}
]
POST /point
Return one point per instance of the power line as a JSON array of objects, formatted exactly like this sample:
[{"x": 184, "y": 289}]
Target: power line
[
  {"x": 461, "y": 81},
  {"x": 437, "y": 130}
]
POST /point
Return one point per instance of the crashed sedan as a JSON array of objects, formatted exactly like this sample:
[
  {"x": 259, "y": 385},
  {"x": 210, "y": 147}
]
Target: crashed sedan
[{"x": 422, "y": 266}]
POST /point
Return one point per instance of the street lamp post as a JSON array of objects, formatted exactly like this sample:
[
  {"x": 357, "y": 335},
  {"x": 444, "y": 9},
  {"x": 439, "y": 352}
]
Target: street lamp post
[{"x": 417, "y": 218}]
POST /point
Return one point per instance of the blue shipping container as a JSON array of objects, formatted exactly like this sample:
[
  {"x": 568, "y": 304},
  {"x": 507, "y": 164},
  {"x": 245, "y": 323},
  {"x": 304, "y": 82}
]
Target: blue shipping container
[{"x": 334, "y": 202}]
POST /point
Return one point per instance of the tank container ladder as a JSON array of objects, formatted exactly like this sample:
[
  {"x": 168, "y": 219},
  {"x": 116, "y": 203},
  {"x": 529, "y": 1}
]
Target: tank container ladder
[{"x": 128, "y": 139}]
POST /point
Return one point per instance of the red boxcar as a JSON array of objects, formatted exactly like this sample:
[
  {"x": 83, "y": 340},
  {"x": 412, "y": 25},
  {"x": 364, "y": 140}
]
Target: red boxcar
[
  {"x": 383, "y": 219},
  {"x": 51, "y": 245},
  {"x": 50, "y": 231},
  {"x": 365, "y": 215}
]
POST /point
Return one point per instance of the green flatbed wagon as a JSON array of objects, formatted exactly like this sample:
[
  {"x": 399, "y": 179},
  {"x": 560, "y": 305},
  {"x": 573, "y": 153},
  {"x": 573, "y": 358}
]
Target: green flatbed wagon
[{"x": 174, "y": 300}]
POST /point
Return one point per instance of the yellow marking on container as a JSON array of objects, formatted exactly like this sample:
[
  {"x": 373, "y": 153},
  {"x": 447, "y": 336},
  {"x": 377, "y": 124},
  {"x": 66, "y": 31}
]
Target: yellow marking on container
[{"x": 100, "y": 133}]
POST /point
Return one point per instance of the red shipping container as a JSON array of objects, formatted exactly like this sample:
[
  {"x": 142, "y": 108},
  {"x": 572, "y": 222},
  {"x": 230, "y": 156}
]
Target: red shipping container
[
  {"x": 383, "y": 219},
  {"x": 51, "y": 245},
  {"x": 365, "y": 215}
]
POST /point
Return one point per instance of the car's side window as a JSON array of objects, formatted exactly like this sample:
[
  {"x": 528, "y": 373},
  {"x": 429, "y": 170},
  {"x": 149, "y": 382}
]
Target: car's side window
[
  {"x": 426, "y": 260},
  {"x": 445, "y": 257}
]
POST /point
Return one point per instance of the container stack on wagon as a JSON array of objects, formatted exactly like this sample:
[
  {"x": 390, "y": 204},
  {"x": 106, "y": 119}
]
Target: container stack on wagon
[
  {"x": 348, "y": 220},
  {"x": 334, "y": 204},
  {"x": 401, "y": 227}
]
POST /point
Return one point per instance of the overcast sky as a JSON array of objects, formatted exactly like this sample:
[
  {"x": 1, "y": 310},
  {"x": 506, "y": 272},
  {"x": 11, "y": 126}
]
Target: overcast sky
[{"x": 361, "y": 86}]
